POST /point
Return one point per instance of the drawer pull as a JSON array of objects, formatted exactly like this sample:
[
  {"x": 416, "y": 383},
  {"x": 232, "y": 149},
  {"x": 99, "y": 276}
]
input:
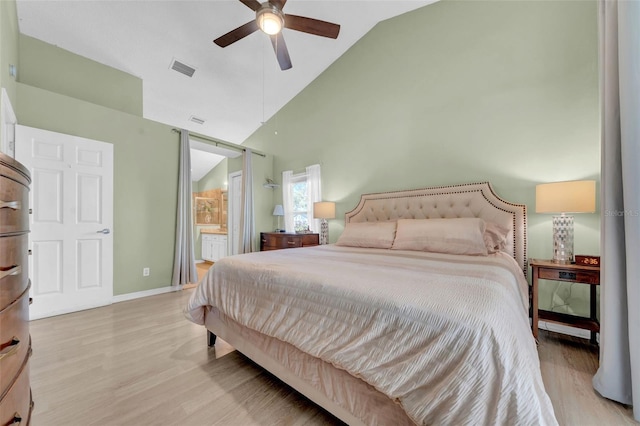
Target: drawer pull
[
  {"x": 11, "y": 349},
  {"x": 17, "y": 419},
  {"x": 14, "y": 205},
  {"x": 567, "y": 275},
  {"x": 11, "y": 270}
]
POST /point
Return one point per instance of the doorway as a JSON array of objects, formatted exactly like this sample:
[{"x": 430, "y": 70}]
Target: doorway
[{"x": 71, "y": 240}]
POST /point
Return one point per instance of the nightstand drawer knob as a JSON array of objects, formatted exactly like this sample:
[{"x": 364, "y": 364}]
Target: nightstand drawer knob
[{"x": 567, "y": 275}]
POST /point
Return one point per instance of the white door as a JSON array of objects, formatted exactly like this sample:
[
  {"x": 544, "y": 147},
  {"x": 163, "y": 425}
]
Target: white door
[
  {"x": 71, "y": 198},
  {"x": 235, "y": 197}
]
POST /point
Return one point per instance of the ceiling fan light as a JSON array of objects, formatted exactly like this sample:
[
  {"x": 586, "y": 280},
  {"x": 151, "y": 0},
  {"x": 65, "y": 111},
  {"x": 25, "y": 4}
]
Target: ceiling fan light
[{"x": 270, "y": 20}]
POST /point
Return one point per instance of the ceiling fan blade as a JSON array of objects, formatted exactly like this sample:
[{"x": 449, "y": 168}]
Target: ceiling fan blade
[
  {"x": 311, "y": 26},
  {"x": 252, "y": 4},
  {"x": 280, "y": 47},
  {"x": 278, "y": 3},
  {"x": 237, "y": 34}
]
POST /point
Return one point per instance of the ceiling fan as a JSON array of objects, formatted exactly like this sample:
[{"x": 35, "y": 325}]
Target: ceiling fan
[{"x": 270, "y": 19}]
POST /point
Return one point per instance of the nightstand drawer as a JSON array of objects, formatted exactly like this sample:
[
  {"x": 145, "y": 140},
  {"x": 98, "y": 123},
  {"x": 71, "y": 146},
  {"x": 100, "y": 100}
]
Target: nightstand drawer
[{"x": 585, "y": 277}]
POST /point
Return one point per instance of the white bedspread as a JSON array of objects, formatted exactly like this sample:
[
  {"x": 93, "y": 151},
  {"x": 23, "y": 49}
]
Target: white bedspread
[{"x": 445, "y": 336}]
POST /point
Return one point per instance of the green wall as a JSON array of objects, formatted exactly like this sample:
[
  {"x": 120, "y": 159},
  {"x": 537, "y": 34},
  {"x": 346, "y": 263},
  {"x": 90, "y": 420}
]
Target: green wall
[
  {"x": 8, "y": 47},
  {"x": 145, "y": 152},
  {"x": 57, "y": 70},
  {"x": 454, "y": 92},
  {"x": 216, "y": 178}
]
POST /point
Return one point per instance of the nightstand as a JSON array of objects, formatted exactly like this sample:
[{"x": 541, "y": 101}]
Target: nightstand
[{"x": 547, "y": 270}]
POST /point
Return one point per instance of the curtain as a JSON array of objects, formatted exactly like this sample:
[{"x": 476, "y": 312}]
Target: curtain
[
  {"x": 618, "y": 376},
  {"x": 314, "y": 194},
  {"x": 184, "y": 264},
  {"x": 287, "y": 200},
  {"x": 247, "y": 223}
]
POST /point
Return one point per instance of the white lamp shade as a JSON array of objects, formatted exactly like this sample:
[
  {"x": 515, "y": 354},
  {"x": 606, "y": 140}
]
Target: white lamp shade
[
  {"x": 324, "y": 210},
  {"x": 566, "y": 197},
  {"x": 278, "y": 210}
]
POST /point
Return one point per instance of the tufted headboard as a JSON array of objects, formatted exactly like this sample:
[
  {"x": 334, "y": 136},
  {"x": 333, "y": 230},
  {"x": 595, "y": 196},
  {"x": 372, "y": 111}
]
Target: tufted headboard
[{"x": 466, "y": 200}]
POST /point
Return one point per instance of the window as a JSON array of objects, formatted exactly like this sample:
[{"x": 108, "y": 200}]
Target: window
[
  {"x": 299, "y": 192},
  {"x": 300, "y": 198}
]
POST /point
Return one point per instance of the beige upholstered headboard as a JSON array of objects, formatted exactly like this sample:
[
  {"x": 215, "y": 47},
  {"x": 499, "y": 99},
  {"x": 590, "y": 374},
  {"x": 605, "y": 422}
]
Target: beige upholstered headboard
[{"x": 466, "y": 200}]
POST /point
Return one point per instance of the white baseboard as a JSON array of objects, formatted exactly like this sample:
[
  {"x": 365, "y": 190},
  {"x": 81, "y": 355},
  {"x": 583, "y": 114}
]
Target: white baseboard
[
  {"x": 145, "y": 293},
  {"x": 115, "y": 299},
  {"x": 564, "y": 329},
  {"x": 84, "y": 307}
]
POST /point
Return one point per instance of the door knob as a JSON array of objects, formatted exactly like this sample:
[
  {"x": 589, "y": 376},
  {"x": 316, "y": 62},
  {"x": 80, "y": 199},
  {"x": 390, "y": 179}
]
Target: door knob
[{"x": 104, "y": 231}]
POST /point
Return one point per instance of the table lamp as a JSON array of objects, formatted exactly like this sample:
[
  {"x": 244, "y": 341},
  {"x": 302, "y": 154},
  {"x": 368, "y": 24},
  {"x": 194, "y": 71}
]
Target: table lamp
[
  {"x": 324, "y": 210},
  {"x": 278, "y": 210},
  {"x": 565, "y": 197}
]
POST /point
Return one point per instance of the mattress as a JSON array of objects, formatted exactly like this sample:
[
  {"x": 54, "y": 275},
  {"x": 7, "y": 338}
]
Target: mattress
[{"x": 445, "y": 337}]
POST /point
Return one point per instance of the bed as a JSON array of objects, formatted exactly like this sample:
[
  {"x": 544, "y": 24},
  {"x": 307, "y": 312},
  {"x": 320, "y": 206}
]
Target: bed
[{"x": 393, "y": 332}]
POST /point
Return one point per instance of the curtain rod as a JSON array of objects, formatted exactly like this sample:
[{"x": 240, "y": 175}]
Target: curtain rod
[{"x": 217, "y": 142}]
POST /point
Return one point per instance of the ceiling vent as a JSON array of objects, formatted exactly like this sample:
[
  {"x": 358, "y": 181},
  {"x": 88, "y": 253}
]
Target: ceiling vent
[
  {"x": 197, "y": 120},
  {"x": 182, "y": 68}
]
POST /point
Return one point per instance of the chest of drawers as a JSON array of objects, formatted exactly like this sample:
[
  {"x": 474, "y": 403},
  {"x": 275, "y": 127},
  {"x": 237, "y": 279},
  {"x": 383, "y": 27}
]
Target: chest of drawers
[
  {"x": 280, "y": 240},
  {"x": 15, "y": 343}
]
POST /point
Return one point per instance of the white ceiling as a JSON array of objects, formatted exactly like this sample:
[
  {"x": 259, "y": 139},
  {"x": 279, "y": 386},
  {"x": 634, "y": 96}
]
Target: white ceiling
[{"x": 234, "y": 89}]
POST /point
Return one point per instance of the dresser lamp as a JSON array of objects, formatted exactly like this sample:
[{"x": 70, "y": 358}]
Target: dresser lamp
[
  {"x": 562, "y": 198},
  {"x": 324, "y": 210},
  {"x": 278, "y": 210}
]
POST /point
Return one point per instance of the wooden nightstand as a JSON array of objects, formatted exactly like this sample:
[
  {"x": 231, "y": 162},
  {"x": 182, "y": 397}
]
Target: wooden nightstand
[
  {"x": 281, "y": 240},
  {"x": 547, "y": 270}
]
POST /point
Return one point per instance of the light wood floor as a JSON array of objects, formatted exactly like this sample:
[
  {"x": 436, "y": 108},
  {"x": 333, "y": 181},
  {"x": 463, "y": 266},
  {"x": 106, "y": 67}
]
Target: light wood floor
[{"x": 142, "y": 363}]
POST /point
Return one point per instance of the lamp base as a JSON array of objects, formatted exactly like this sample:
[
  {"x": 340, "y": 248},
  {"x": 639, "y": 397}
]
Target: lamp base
[
  {"x": 324, "y": 231},
  {"x": 563, "y": 239}
]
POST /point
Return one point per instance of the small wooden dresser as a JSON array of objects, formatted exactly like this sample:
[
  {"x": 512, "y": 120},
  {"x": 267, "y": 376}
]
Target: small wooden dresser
[
  {"x": 281, "y": 240},
  {"x": 15, "y": 343}
]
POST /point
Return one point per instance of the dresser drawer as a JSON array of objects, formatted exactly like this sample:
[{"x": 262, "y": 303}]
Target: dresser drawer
[
  {"x": 14, "y": 339},
  {"x": 14, "y": 206},
  {"x": 310, "y": 240},
  {"x": 275, "y": 241},
  {"x": 279, "y": 240},
  {"x": 16, "y": 406},
  {"x": 14, "y": 268}
]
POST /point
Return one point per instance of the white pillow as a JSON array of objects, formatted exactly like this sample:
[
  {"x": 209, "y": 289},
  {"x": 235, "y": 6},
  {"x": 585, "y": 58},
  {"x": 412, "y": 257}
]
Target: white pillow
[
  {"x": 453, "y": 236},
  {"x": 368, "y": 234}
]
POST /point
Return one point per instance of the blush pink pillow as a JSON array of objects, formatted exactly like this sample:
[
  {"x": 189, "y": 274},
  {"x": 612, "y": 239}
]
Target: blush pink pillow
[
  {"x": 495, "y": 237},
  {"x": 452, "y": 236},
  {"x": 368, "y": 234}
]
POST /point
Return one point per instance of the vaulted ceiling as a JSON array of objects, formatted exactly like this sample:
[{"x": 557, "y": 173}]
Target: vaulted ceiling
[{"x": 234, "y": 89}]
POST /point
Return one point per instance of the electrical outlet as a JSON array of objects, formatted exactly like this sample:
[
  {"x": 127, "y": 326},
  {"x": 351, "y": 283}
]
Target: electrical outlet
[{"x": 146, "y": 272}]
